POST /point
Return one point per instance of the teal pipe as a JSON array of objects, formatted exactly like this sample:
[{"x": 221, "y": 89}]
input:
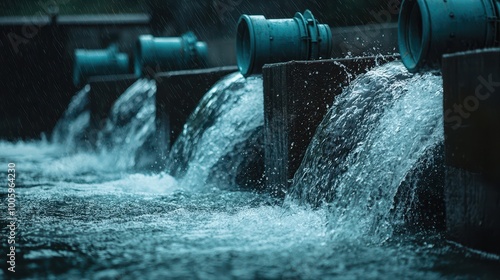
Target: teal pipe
[
  {"x": 261, "y": 41},
  {"x": 89, "y": 63},
  {"x": 430, "y": 28},
  {"x": 163, "y": 54}
]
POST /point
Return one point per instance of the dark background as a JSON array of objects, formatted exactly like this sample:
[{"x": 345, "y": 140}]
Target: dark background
[{"x": 36, "y": 45}]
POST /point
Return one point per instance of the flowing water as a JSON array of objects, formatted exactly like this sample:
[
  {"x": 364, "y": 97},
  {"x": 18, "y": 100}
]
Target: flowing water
[
  {"x": 373, "y": 136},
  {"x": 83, "y": 216},
  {"x": 222, "y": 139},
  {"x": 127, "y": 134},
  {"x": 70, "y": 130},
  {"x": 130, "y": 127}
]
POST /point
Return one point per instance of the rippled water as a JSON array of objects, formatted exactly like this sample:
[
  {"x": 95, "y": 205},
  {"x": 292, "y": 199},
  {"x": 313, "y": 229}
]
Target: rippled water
[
  {"x": 79, "y": 218},
  {"x": 83, "y": 216}
]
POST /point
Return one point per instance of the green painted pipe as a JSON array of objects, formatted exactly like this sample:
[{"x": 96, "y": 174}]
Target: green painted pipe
[
  {"x": 430, "y": 28},
  {"x": 261, "y": 41},
  {"x": 163, "y": 54},
  {"x": 89, "y": 63}
]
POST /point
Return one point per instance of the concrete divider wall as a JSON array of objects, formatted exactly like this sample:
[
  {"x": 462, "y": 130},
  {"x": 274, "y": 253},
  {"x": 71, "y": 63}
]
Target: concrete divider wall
[{"x": 471, "y": 105}]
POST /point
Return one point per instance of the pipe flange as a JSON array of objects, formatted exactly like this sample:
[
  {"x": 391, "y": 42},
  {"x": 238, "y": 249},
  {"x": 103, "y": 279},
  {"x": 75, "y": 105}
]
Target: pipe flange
[
  {"x": 189, "y": 43},
  {"x": 261, "y": 41},
  {"x": 312, "y": 27},
  {"x": 305, "y": 36}
]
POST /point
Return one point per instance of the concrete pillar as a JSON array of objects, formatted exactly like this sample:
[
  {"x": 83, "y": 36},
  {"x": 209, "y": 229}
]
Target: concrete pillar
[
  {"x": 471, "y": 106},
  {"x": 297, "y": 95},
  {"x": 104, "y": 92},
  {"x": 178, "y": 93}
]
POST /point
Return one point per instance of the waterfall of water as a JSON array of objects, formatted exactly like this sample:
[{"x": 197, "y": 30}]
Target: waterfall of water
[
  {"x": 376, "y": 133},
  {"x": 70, "y": 130},
  {"x": 130, "y": 127},
  {"x": 89, "y": 214},
  {"x": 222, "y": 140}
]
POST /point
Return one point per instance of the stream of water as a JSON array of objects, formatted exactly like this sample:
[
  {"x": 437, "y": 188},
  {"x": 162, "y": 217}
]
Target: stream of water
[{"x": 89, "y": 214}]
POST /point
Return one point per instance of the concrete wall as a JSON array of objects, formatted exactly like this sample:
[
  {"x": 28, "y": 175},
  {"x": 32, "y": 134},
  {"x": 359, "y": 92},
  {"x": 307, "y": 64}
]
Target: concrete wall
[{"x": 471, "y": 83}]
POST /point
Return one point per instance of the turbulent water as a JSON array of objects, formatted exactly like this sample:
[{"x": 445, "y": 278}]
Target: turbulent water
[
  {"x": 70, "y": 130},
  {"x": 131, "y": 123},
  {"x": 127, "y": 134},
  {"x": 222, "y": 140},
  {"x": 373, "y": 136},
  {"x": 83, "y": 216}
]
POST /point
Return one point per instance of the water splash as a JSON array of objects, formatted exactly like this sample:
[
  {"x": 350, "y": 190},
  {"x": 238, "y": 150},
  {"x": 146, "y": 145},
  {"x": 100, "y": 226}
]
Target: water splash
[
  {"x": 130, "y": 127},
  {"x": 83, "y": 218},
  {"x": 223, "y": 136},
  {"x": 71, "y": 129},
  {"x": 375, "y": 134}
]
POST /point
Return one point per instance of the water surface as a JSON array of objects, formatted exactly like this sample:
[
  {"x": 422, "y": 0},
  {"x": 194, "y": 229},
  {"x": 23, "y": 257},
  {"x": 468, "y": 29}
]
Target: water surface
[{"x": 90, "y": 214}]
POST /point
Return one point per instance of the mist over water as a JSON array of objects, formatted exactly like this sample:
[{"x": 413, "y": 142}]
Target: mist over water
[{"x": 90, "y": 214}]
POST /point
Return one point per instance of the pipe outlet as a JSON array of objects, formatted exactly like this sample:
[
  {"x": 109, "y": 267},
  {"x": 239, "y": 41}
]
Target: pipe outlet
[
  {"x": 161, "y": 54},
  {"x": 261, "y": 41},
  {"x": 430, "y": 28},
  {"x": 89, "y": 63}
]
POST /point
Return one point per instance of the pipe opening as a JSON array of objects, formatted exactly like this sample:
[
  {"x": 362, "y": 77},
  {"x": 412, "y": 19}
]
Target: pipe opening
[
  {"x": 202, "y": 51},
  {"x": 244, "y": 50},
  {"x": 100, "y": 62},
  {"x": 77, "y": 74},
  {"x": 138, "y": 58},
  {"x": 415, "y": 32},
  {"x": 413, "y": 22}
]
